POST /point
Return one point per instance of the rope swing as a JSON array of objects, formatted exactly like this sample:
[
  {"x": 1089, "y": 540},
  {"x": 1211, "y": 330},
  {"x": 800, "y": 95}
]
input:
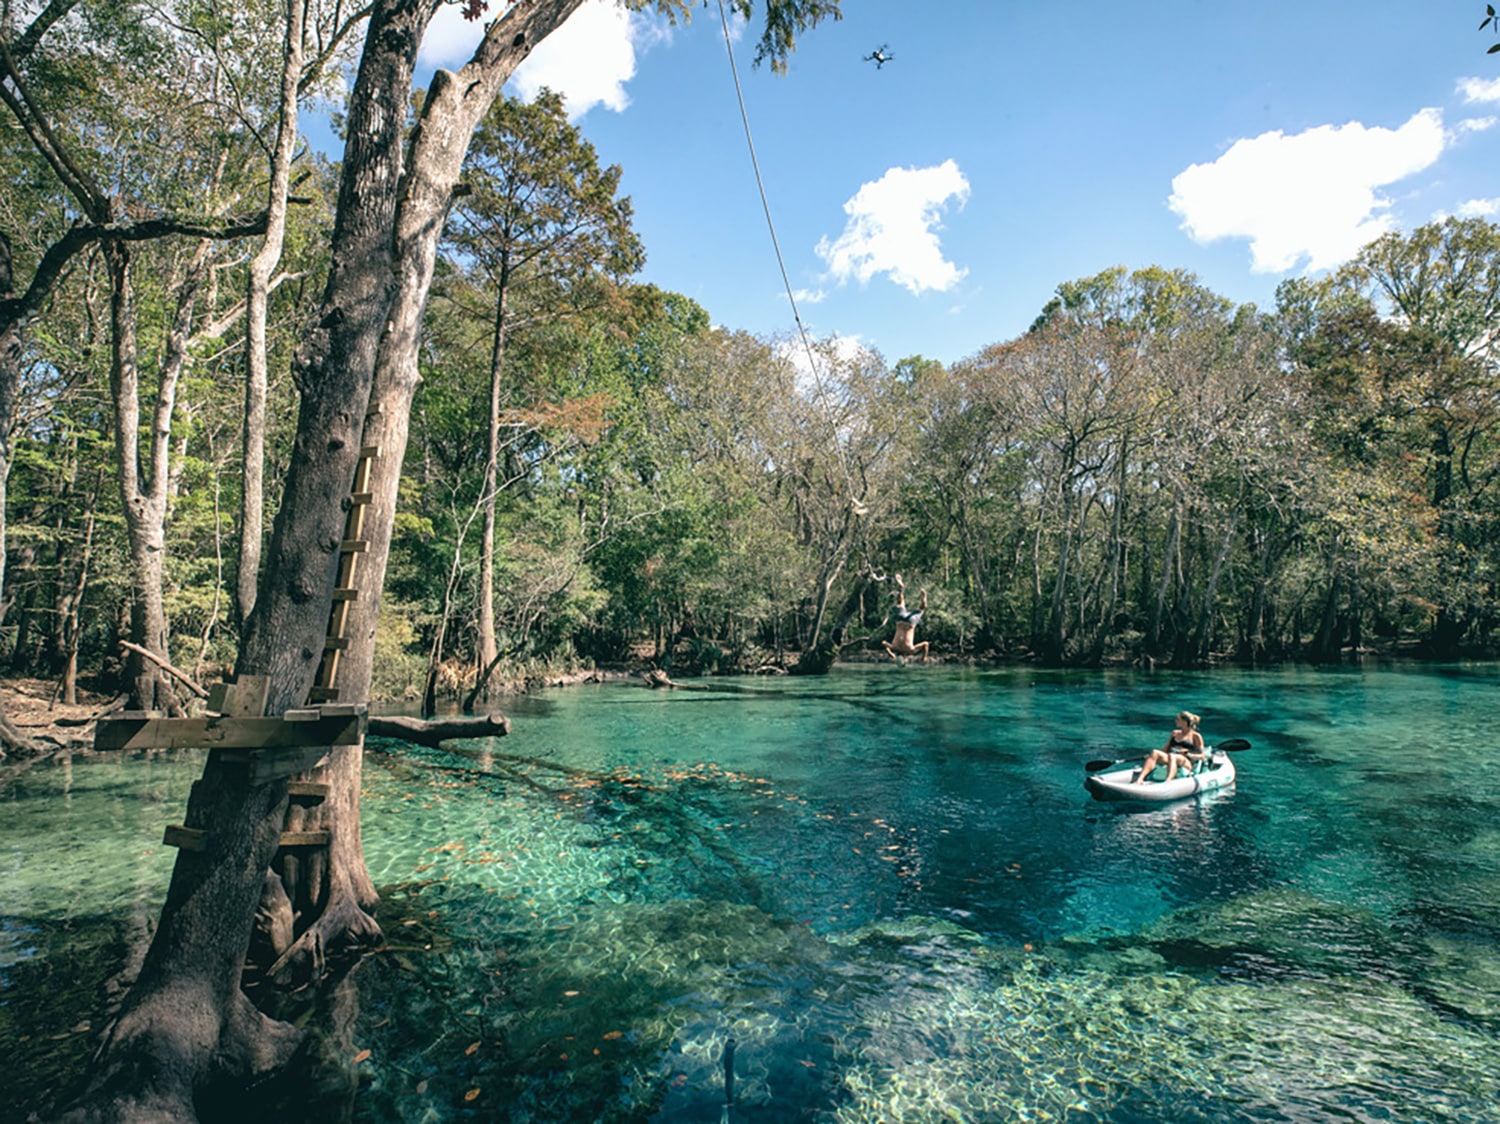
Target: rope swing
[{"x": 856, "y": 501}]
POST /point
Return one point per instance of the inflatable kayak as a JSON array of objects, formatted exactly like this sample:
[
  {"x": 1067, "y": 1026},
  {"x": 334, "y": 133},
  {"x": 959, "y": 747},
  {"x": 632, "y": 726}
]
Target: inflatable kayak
[{"x": 1116, "y": 783}]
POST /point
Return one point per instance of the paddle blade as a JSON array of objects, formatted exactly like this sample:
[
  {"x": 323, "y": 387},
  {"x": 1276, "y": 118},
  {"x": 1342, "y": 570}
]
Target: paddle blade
[
  {"x": 1098, "y": 765},
  {"x": 1233, "y": 745}
]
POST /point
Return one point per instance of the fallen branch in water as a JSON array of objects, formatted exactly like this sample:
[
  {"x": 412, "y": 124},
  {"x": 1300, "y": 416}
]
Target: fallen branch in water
[{"x": 433, "y": 732}]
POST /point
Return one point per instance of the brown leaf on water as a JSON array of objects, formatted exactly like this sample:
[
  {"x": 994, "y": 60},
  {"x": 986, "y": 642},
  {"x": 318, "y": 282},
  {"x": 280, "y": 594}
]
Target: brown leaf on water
[
  {"x": 471, "y": 1094},
  {"x": 361, "y": 1056},
  {"x": 422, "y": 1085},
  {"x": 473, "y": 1046},
  {"x": 613, "y": 1034}
]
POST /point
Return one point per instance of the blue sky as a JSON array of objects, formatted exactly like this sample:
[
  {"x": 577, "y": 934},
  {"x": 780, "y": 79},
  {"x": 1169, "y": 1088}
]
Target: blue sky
[{"x": 933, "y": 205}]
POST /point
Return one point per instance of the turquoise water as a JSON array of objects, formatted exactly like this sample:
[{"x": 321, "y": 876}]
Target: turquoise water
[{"x": 887, "y": 889}]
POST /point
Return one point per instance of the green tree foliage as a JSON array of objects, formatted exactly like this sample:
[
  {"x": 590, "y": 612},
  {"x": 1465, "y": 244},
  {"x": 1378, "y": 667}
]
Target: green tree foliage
[{"x": 1149, "y": 473}]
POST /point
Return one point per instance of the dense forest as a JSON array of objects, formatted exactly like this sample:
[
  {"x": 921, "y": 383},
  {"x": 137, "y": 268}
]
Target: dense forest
[{"x": 597, "y": 473}]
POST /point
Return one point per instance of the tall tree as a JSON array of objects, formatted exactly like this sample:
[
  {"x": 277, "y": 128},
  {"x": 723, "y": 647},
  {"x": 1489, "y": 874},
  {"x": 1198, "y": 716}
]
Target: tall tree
[{"x": 542, "y": 225}]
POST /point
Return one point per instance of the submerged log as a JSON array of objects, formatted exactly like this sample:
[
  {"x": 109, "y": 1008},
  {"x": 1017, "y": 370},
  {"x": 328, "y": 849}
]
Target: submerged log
[{"x": 433, "y": 731}]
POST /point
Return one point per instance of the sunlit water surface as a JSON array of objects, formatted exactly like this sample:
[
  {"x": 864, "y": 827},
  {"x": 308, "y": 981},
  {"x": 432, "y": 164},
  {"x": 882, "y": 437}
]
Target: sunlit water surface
[{"x": 886, "y": 888}]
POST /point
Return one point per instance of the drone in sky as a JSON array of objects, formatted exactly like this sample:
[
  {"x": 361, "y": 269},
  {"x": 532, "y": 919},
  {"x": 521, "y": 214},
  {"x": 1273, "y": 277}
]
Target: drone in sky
[{"x": 879, "y": 56}]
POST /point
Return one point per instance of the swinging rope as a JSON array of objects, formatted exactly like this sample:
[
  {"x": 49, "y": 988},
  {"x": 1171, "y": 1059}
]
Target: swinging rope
[{"x": 856, "y": 503}]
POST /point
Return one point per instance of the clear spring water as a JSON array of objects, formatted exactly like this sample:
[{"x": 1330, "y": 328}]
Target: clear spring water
[{"x": 887, "y": 888}]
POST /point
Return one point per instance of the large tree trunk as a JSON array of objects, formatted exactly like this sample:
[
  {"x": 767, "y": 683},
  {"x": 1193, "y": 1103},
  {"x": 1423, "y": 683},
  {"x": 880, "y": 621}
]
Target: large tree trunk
[
  {"x": 186, "y": 1025},
  {"x": 451, "y": 111}
]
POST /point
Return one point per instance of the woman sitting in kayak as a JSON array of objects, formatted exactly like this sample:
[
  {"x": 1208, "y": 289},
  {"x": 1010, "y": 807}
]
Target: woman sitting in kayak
[{"x": 1184, "y": 749}]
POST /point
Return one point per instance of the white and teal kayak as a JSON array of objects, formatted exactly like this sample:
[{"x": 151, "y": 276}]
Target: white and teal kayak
[{"x": 1118, "y": 781}]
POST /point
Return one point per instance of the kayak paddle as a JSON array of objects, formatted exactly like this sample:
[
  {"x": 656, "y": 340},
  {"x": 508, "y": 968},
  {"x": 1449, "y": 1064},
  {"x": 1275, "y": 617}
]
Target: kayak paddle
[{"x": 1232, "y": 745}]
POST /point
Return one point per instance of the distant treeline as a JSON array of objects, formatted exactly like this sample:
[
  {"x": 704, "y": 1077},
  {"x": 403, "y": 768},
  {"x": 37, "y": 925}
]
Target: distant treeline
[{"x": 595, "y": 473}]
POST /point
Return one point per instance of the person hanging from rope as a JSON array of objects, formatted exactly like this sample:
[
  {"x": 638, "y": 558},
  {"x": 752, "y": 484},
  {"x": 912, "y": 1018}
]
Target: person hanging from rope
[{"x": 905, "y": 643}]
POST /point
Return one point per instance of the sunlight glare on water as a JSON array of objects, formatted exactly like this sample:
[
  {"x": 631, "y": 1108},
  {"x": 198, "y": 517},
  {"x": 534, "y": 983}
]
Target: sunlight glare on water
[{"x": 886, "y": 887}]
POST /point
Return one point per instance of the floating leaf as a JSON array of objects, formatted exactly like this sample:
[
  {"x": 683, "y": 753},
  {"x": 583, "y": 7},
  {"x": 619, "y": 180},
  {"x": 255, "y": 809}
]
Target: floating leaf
[
  {"x": 422, "y": 1085},
  {"x": 361, "y": 1056},
  {"x": 611, "y": 1035},
  {"x": 473, "y": 1046},
  {"x": 471, "y": 1094}
]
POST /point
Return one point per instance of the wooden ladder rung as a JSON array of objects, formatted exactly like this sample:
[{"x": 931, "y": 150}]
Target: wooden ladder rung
[
  {"x": 305, "y": 838},
  {"x": 353, "y": 546},
  {"x": 186, "y": 838}
]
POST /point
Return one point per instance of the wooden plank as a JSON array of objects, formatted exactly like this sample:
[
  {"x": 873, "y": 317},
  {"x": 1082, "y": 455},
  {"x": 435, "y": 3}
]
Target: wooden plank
[
  {"x": 342, "y": 710},
  {"x": 265, "y": 765},
  {"x": 336, "y": 644},
  {"x": 346, "y": 594},
  {"x": 308, "y": 789},
  {"x": 303, "y": 714},
  {"x": 274, "y": 764},
  {"x": 360, "y": 499},
  {"x": 214, "y": 732},
  {"x": 218, "y": 697},
  {"x": 369, "y": 452},
  {"x": 354, "y": 546},
  {"x": 323, "y": 694},
  {"x": 187, "y": 838},
  {"x": 246, "y": 696},
  {"x": 305, "y": 838}
]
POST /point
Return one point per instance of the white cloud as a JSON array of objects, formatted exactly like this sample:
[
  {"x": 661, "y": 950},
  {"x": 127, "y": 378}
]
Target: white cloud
[
  {"x": 450, "y": 38},
  {"x": 810, "y": 296},
  {"x": 830, "y": 353},
  {"x": 588, "y": 59},
  {"x": 1476, "y": 124},
  {"x": 892, "y": 229},
  {"x": 1479, "y": 208},
  {"x": 1308, "y": 197},
  {"x": 1480, "y": 89}
]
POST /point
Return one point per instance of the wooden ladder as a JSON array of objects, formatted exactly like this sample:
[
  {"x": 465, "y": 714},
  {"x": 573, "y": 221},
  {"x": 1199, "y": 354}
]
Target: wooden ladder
[{"x": 346, "y": 588}]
